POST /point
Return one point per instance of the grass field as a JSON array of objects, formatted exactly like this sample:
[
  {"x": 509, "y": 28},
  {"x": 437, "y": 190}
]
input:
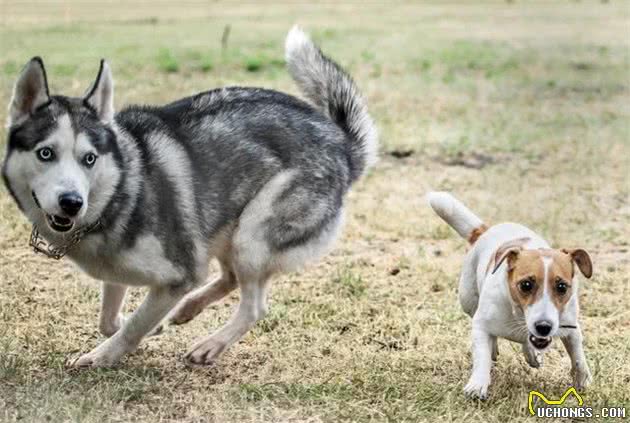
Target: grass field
[{"x": 521, "y": 109}]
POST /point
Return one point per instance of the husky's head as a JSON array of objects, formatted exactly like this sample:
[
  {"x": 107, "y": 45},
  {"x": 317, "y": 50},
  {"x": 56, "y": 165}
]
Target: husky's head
[{"x": 63, "y": 162}]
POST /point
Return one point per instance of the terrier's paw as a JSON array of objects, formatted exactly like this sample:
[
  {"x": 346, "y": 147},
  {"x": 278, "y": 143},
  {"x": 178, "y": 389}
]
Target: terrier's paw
[
  {"x": 582, "y": 378},
  {"x": 205, "y": 352},
  {"x": 533, "y": 358},
  {"x": 535, "y": 361},
  {"x": 477, "y": 389}
]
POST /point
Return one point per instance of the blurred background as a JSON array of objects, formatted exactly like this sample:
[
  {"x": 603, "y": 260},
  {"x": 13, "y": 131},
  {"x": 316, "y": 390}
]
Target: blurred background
[{"x": 520, "y": 108}]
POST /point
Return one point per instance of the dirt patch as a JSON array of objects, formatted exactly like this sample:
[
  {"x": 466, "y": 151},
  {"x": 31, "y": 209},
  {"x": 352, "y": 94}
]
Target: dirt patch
[{"x": 472, "y": 160}]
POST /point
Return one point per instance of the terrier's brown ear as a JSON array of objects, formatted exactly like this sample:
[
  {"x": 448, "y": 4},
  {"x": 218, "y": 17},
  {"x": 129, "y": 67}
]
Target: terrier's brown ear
[
  {"x": 510, "y": 251},
  {"x": 582, "y": 259}
]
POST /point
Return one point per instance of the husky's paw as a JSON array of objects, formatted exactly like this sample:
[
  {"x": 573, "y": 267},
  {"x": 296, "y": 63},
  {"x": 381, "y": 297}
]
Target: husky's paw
[
  {"x": 105, "y": 355},
  {"x": 582, "y": 378},
  {"x": 477, "y": 389},
  {"x": 205, "y": 352},
  {"x": 187, "y": 310},
  {"x": 157, "y": 331}
]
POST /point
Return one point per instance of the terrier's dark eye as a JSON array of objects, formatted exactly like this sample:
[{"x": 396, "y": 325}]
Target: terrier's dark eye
[
  {"x": 89, "y": 159},
  {"x": 561, "y": 287},
  {"x": 526, "y": 285},
  {"x": 45, "y": 154}
]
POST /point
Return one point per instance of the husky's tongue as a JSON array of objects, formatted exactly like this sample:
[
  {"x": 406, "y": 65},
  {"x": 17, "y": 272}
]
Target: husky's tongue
[{"x": 540, "y": 343}]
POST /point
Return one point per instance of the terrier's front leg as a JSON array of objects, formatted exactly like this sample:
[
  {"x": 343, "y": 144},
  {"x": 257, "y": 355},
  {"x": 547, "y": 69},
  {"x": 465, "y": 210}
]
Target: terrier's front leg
[
  {"x": 156, "y": 305},
  {"x": 579, "y": 367},
  {"x": 479, "y": 382}
]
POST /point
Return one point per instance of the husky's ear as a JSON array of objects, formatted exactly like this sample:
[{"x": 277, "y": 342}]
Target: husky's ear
[
  {"x": 30, "y": 91},
  {"x": 100, "y": 96}
]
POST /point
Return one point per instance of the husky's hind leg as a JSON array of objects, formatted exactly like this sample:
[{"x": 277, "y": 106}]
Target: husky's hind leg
[
  {"x": 195, "y": 302},
  {"x": 283, "y": 227},
  {"x": 251, "y": 308},
  {"x": 251, "y": 264}
]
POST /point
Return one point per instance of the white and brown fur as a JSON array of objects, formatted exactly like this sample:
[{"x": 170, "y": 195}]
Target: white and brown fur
[{"x": 515, "y": 286}]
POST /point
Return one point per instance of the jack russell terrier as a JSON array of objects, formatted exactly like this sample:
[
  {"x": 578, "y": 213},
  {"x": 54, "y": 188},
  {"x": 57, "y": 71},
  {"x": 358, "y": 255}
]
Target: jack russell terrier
[{"x": 515, "y": 286}]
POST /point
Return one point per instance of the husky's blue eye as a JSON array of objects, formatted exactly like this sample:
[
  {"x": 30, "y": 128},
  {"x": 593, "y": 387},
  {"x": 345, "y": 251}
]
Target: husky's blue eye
[
  {"x": 45, "y": 154},
  {"x": 89, "y": 159}
]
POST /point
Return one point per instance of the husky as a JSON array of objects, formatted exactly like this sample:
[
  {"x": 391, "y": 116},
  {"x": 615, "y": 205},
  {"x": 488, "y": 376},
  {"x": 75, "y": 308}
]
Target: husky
[{"x": 149, "y": 195}]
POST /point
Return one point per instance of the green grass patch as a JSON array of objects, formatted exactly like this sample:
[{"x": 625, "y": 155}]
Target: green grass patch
[
  {"x": 297, "y": 391},
  {"x": 206, "y": 64},
  {"x": 167, "y": 62},
  {"x": 349, "y": 282},
  {"x": 253, "y": 64}
]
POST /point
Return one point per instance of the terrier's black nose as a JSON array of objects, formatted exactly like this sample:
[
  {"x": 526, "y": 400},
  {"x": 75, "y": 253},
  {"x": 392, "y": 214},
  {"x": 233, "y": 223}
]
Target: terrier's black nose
[
  {"x": 543, "y": 327},
  {"x": 70, "y": 203}
]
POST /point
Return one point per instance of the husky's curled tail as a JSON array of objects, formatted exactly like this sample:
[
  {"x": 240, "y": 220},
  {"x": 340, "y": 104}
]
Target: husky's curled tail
[
  {"x": 464, "y": 221},
  {"x": 333, "y": 92}
]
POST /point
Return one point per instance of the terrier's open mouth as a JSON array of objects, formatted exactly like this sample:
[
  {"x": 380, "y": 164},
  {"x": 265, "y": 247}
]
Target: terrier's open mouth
[
  {"x": 539, "y": 343},
  {"x": 59, "y": 223}
]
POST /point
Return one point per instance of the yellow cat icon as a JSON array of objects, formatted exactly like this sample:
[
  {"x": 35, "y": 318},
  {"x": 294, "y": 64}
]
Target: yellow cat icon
[{"x": 563, "y": 398}]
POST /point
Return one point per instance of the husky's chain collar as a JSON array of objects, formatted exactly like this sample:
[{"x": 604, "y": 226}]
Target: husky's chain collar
[{"x": 41, "y": 246}]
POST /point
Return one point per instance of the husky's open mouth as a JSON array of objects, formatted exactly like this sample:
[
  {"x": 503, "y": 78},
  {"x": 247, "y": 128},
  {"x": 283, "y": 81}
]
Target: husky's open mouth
[
  {"x": 538, "y": 342},
  {"x": 58, "y": 223}
]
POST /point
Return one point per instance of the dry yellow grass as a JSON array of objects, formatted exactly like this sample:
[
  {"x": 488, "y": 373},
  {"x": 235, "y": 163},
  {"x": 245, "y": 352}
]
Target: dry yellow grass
[{"x": 539, "y": 89}]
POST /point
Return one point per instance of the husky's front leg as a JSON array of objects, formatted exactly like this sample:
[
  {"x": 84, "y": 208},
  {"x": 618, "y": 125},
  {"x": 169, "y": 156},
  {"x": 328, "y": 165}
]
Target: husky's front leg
[
  {"x": 112, "y": 299},
  {"x": 112, "y": 318},
  {"x": 579, "y": 367},
  {"x": 156, "y": 305}
]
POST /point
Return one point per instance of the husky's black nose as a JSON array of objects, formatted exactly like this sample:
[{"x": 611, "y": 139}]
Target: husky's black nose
[
  {"x": 543, "y": 327},
  {"x": 70, "y": 203}
]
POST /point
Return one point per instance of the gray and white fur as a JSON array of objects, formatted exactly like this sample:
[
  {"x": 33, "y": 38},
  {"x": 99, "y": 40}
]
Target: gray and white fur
[{"x": 253, "y": 177}]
